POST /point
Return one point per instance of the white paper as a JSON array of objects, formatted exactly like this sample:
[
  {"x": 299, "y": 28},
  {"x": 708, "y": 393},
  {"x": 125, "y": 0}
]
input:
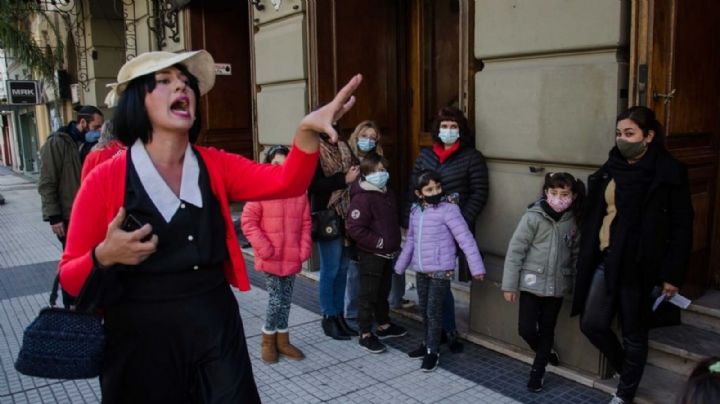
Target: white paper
[{"x": 678, "y": 300}]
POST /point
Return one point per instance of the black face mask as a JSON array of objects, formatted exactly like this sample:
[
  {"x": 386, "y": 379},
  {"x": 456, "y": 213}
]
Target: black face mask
[{"x": 434, "y": 199}]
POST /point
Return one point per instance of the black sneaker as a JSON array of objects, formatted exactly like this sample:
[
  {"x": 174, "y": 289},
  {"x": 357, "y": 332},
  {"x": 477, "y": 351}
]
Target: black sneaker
[
  {"x": 372, "y": 344},
  {"x": 554, "y": 359},
  {"x": 391, "y": 332},
  {"x": 430, "y": 362},
  {"x": 535, "y": 384},
  {"x": 418, "y": 353}
]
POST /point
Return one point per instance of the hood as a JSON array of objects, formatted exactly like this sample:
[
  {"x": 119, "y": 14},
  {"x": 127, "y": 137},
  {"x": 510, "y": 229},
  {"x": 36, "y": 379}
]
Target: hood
[{"x": 360, "y": 186}]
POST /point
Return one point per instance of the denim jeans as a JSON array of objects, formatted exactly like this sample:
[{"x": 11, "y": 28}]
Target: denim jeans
[
  {"x": 334, "y": 259},
  {"x": 397, "y": 290},
  {"x": 448, "y": 313},
  {"x": 351, "y": 290}
]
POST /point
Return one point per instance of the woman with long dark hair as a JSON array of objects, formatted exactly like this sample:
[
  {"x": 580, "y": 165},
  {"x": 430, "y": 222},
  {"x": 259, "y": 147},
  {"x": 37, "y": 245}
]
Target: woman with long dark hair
[{"x": 636, "y": 234}]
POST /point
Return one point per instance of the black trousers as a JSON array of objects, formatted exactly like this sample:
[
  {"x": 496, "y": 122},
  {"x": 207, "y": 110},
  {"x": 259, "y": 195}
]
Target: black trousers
[
  {"x": 431, "y": 294},
  {"x": 536, "y": 324},
  {"x": 375, "y": 281},
  {"x": 601, "y": 306},
  {"x": 182, "y": 351}
]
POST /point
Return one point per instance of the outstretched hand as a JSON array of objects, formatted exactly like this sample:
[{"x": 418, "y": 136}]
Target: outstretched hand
[{"x": 322, "y": 119}]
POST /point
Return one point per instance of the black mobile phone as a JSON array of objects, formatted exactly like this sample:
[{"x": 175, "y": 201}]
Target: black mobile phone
[{"x": 131, "y": 223}]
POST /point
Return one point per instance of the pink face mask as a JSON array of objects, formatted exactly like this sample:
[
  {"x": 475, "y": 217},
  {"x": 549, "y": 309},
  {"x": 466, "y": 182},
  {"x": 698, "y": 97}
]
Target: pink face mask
[{"x": 559, "y": 203}]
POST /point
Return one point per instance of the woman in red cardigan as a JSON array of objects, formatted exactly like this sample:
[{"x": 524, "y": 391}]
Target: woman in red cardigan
[{"x": 151, "y": 236}]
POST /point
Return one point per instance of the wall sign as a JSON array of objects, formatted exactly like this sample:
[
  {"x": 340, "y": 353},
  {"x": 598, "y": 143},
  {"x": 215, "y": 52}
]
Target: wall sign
[
  {"x": 223, "y": 69},
  {"x": 23, "y": 92}
]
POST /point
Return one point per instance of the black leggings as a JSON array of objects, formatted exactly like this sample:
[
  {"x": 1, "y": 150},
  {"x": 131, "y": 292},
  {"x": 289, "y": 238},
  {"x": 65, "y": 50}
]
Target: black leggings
[
  {"x": 375, "y": 279},
  {"x": 601, "y": 306},
  {"x": 536, "y": 324}
]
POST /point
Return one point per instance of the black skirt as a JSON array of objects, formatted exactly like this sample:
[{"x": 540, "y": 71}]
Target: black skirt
[{"x": 187, "y": 350}]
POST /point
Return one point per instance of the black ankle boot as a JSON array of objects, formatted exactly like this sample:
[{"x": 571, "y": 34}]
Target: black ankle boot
[
  {"x": 345, "y": 327},
  {"x": 535, "y": 383},
  {"x": 331, "y": 328},
  {"x": 454, "y": 343}
]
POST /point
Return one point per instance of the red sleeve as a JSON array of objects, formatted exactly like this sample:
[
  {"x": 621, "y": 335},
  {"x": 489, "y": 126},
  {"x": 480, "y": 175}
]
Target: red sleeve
[
  {"x": 250, "y": 222},
  {"x": 88, "y": 226},
  {"x": 246, "y": 180},
  {"x": 305, "y": 238}
]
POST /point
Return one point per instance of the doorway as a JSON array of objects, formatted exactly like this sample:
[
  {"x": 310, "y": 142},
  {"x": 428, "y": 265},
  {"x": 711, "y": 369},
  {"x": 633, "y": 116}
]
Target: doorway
[
  {"x": 675, "y": 75},
  {"x": 29, "y": 143}
]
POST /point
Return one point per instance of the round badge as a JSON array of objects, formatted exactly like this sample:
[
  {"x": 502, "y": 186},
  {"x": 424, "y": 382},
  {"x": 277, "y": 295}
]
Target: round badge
[{"x": 355, "y": 214}]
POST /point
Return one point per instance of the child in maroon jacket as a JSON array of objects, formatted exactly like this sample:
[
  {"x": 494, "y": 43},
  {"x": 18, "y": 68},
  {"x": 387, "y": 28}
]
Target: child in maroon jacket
[{"x": 374, "y": 224}]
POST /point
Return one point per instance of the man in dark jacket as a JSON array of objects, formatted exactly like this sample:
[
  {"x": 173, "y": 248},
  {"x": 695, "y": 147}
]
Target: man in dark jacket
[{"x": 60, "y": 167}]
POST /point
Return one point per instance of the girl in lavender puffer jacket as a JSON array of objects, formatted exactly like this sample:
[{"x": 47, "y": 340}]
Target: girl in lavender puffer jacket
[
  {"x": 436, "y": 223},
  {"x": 279, "y": 232}
]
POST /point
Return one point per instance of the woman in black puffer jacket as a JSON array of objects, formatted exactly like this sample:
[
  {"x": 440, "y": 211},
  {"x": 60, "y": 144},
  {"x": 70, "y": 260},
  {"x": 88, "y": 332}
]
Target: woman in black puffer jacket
[{"x": 463, "y": 170}]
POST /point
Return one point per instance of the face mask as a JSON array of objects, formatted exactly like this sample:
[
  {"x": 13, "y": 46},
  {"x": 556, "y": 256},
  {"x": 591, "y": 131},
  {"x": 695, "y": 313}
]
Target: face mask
[
  {"x": 366, "y": 144},
  {"x": 559, "y": 203},
  {"x": 433, "y": 199},
  {"x": 92, "y": 136},
  {"x": 449, "y": 136},
  {"x": 378, "y": 178},
  {"x": 630, "y": 150}
]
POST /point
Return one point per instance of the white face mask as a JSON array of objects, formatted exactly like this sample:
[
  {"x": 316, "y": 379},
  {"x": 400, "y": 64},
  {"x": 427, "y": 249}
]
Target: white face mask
[
  {"x": 378, "y": 178},
  {"x": 449, "y": 136}
]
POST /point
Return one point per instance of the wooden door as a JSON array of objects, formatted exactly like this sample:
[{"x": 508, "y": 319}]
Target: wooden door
[
  {"x": 675, "y": 70},
  {"x": 223, "y": 29},
  {"x": 440, "y": 64},
  {"x": 363, "y": 36}
]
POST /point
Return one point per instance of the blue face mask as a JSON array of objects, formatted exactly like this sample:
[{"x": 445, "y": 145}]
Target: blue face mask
[
  {"x": 366, "y": 144},
  {"x": 378, "y": 178},
  {"x": 449, "y": 136},
  {"x": 92, "y": 136}
]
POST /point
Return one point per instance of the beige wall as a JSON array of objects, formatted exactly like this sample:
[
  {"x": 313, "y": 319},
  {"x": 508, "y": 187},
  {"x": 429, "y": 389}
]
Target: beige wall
[
  {"x": 547, "y": 98},
  {"x": 280, "y": 70}
]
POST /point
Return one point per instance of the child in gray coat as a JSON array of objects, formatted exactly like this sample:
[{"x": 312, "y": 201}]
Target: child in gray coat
[{"x": 540, "y": 264}]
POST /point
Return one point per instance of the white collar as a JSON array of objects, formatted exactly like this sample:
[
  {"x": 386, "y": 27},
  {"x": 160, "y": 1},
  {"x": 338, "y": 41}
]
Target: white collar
[{"x": 158, "y": 190}]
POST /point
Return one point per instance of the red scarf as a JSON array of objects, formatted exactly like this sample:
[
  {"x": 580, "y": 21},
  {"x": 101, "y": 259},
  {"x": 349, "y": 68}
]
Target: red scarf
[{"x": 443, "y": 153}]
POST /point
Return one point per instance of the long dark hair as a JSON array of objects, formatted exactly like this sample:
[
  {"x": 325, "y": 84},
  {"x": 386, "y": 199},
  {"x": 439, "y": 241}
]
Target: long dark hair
[
  {"x": 424, "y": 177},
  {"x": 562, "y": 180},
  {"x": 131, "y": 119},
  {"x": 644, "y": 118},
  {"x": 467, "y": 137}
]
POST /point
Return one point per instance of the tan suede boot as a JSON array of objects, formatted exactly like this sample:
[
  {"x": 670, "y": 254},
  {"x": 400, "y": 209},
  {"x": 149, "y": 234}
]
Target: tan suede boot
[
  {"x": 286, "y": 348},
  {"x": 269, "y": 349}
]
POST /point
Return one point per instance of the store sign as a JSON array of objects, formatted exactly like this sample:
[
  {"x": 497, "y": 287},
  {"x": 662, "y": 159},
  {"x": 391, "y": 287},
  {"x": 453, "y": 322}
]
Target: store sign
[{"x": 23, "y": 92}]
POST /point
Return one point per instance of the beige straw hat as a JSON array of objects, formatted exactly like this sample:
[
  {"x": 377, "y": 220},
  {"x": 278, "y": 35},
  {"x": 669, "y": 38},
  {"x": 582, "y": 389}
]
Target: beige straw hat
[{"x": 199, "y": 63}]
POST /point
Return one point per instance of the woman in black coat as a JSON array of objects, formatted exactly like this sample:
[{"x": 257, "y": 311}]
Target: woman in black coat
[
  {"x": 463, "y": 170},
  {"x": 636, "y": 235}
]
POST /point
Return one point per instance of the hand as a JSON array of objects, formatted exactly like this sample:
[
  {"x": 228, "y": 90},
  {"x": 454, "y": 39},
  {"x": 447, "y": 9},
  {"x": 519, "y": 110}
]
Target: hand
[
  {"x": 322, "y": 119},
  {"x": 480, "y": 277},
  {"x": 58, "y": 228},
  {"x": 510, "y": 297},
  {"x": 669, "y": 290},
  {"x": 122, "y": 247},
  {"x": 352, "y": 174}
]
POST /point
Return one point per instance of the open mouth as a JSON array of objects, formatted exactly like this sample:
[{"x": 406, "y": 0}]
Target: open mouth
[{"x": 181, "y": 107}]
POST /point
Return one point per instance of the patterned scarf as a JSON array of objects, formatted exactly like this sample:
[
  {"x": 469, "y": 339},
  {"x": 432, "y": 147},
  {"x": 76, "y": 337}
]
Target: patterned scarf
[{"x": 337, "y": 158}]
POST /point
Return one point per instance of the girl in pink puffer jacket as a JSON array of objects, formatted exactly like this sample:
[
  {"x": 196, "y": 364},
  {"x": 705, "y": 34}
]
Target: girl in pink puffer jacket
[
  {"x": 436, "y": 223},
  {"x": 279, "y": 232}
]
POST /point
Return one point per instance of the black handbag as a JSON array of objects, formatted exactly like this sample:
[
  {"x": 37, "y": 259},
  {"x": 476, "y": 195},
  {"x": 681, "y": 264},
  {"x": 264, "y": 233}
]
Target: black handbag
[
  {"x": 325, "y": 225},
  {"x": 62, "y": 343}
]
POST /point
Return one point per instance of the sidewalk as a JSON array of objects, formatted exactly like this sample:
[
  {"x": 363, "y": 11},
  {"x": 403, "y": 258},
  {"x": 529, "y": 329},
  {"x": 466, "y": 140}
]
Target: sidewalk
[{"x": 334, "y": 371}]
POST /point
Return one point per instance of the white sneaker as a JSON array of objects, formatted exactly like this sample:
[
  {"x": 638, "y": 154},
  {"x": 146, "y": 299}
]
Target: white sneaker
[{"x": 616, "y": 400}]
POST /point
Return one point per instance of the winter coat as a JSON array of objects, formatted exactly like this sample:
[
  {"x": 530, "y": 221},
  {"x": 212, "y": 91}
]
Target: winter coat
[
  {"x": 665, "y": 229},
  {"x": 279, "y": 232},
  {"x": 98, "y": 156},
  {"x": 430, "y": 242},
  {"x": 373, "y": 221},
  {"x": 59, "y": 175},
  {"x": 541, "y": 255},
  {"x": 232, "y": 178},
  {"x": 464, "y": 173}
]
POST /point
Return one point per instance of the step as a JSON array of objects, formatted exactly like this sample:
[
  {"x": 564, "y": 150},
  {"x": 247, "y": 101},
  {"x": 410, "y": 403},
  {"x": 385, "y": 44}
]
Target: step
[
  {"x": 658, "y": 386},
  {"x": 704, "y": 312},
  {"x": 680, "y": 348}
]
